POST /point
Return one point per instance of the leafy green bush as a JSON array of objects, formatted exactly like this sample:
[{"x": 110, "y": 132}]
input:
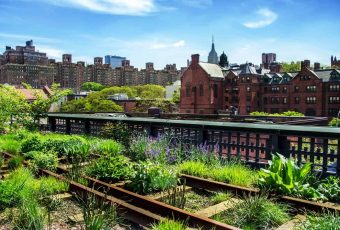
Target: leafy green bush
[
  {"x": 62, "y": 143},
  {"x": 111, "y": 169},
  {"x": 287, "y": 114},
  {"x": 194, "y": 168},
  {"x": 151, "y": 177},
  {"x": 109, "y": 148},
  {"x": 41, "y": 160},
  {"x": 15, "y": 162},
  {"x": 29, "y": 216},
  {"x": 255, "y": 212},
  {"x": 31, "y": 143},
  {"x": 283, "y": 175},
  {"x": 77, "y": 152},
  {"x": 220, "y": 197},
  {"x": 117, "y": 131},
  {"x": 10, "y": 146},
  {"x": 334, "y": 122},
  {"x": 49, "y": 185}
]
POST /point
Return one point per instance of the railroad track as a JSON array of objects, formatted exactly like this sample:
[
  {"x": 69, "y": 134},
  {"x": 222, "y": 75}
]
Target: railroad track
[{"x": 136, "y": 208}]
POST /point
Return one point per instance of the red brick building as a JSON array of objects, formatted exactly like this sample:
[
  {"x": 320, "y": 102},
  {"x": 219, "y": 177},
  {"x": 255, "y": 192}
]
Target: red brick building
[{"x": 207, "y": 88}]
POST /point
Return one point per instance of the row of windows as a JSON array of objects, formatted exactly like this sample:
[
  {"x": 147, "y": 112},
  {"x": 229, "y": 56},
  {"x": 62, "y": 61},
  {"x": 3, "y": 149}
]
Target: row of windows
[
  {"x": 275, "y": 100},
  {"x": 311, "y": 88},
  {"x": 334, "y": 100},
  {"x": 334, "y": 88}
]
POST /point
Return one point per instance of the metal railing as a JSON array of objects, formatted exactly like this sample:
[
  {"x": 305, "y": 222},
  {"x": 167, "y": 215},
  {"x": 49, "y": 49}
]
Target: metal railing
[{"x": 253, "y": 143}]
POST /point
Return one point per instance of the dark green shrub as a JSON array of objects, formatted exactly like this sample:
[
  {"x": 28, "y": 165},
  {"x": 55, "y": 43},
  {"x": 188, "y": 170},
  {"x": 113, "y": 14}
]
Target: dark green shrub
[
  {"x": 167, "y": 224},
  {"x": 151, "y": 177},
  {"x": 109, "y": 148},
  {"x": 323, "y": 221},
  {"x": 77, "y": 152},
  {"x": 15, "y": 162},
  {"x": 117, "y": 131},
  {"x": 111, "y": 169},
  {"x": 61, "y": 144},
  {"x": 29, "y": 216},
  {"x": 31, "y": 143}
]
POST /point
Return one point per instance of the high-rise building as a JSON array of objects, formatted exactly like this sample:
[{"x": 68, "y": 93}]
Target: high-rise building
[
  {"x": 213, "y": 58},
  {"x": 98, "y": 61},
  {"x": 268, "y": 58},
  {"x": 114, "y": 61},
  {"x": 25, "y": 55}
]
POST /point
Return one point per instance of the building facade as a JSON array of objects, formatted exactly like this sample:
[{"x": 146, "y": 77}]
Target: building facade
[
  {"x": 207, "y": 88},
  {"x": 114, "y": 61}
]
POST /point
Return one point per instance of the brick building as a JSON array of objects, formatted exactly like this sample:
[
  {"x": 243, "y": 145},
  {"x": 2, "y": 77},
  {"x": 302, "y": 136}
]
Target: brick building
[
  {"x": 335, "y": 62},
  {"x": 207, "y": 88}
]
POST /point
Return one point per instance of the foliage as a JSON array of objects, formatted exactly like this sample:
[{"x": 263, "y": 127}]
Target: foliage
[
  {"x": 31, "y": 143},
  {"x": 175, "y": 196},
  {"x": 117, "y": 131},
  {"x": 288, "y": 113},
  {"x": 194, "y": 168},
  {"x": 176, "y": 97},
  {"x": 167, "y": 106},
  {"x": 15, "y": 162},
  {"x": 43, "y": 160},
  {"x": 111, "y": 169},
  {"x": 29, "y": 216},
  {"x": 220, "y": 197},
  {"x": 151, "y": 177},
  {"x": 323, "y": 221},
  {"x": 167, "y": 224},
  {"x": 334, "y": 122},
  {"x": 61, "y": 143},
  {"x": 77, "y": 152},
  {"x": 255, "y": 212},
  {"x": 10, "y": 146},
  {"x": 97, "y": 213},
  {"x": 13, "y": 105},
  {"x": 92, "y": 86},
  {"x": 291, "y": 67},
  {"x": 283, "y": 175},
  {"x": 109, "y": 148}
]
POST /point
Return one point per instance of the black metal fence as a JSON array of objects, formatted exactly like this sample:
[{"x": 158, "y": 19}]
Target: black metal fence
[{"x": 253, "y": 143}]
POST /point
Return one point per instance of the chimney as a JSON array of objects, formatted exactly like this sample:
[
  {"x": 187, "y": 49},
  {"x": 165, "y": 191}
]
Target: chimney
[
  {"x": 316, "y": 65},
  {"x": 195, "y": 58}
]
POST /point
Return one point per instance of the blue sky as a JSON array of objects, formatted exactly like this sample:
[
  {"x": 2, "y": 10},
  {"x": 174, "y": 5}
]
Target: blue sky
[{"x": 169, "y": 31}]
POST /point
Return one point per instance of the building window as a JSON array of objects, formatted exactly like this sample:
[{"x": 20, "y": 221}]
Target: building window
[
  {"x": 310, "y": 100},
  {"x": 187, "y": 90},
  {"x": 334, "y": 100},
  {"x": 333, "y": 112},
  {"x": 284, "y": 101},
  {"x": 201, "y": 90},
  {"x": 297, "y": 100},
  {"x": 334, "y": 88},
  {"x": 215, "y": 90},
  {"x": 235, "y": 89},
  {"x": 310, "y": 88},
  {"x": 296, "y": 88},
  {"x": 265, "y": 100},
  {"x": 248, "y": 79},
  {"x": 248, "y": 89},
  {"x": 284, "y": 90},
  {"x": 248, "y": 98},
  {"x": 275, "y": 89}
]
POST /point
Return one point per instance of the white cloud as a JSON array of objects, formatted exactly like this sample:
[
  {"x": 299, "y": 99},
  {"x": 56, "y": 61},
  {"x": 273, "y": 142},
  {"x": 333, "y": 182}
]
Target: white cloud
[
  {"x": 177, "y": 44},
  {"x": 51, "y": 52},
  {"x": 265, "y": 18},
  {"x": 26, "y": 37},
  {"x": 116, "y": 7}
]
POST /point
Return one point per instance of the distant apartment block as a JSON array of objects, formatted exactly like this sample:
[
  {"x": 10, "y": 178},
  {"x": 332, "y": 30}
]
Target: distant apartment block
[{"x": 114, "y": 61}]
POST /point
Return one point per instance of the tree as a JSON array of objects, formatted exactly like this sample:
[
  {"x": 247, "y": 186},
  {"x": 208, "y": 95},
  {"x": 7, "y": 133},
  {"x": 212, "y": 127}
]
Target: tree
[
  {"x": 176, "y": 96},
  {"x": 13, "y": 106},
  {"x": 292, "y": 67},
  {"x": 92, "y": 86}
]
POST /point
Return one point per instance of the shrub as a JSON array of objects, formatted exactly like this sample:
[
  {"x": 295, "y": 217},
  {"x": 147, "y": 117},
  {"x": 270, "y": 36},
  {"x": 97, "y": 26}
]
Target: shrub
[
  {"x": 194, "y": 168},
  {"x": 112, "y": 169},
  {"x": 29, "y": 216},
  {"x": 220, "y": 197},
  {"x": 255, "y": 212},
  {"x": 151, "y": 177},
  {"x": 31, "y": 143},
  {"x": 325, "y": 220},
  {"x": 41, "y": 160},
  {"x": 283, "y": 175},
  {"x": 109, "y": 148},
  {"x": 62, "y": 143},
  {"x": 49, "y": 185},
  {"x": 15, "y": 162},
  {"x": 117, "y": 131},
  {"x": 77, "y": 152},
  {"x": 334, "y": 122}
]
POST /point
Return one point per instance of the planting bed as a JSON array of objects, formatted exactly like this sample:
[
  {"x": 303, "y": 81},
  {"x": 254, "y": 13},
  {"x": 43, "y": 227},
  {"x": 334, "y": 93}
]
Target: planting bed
[{"x": 144, "y": 180}]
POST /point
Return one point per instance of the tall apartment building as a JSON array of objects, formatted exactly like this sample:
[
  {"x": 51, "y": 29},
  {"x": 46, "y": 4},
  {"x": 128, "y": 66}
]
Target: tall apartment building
[
  {"x": 114, "y": 61},
  {"x": 25, "y": 55}
]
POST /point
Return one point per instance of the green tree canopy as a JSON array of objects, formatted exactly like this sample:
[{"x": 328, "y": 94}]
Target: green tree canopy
[
  {"x": 291, "y": 67},
  {"x": 92, "y": 86}
]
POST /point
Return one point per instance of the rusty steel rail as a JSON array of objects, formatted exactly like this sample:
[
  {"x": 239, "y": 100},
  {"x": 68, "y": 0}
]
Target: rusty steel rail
[
  {"x": 137, "y": 208},
  {"x": 198, "y": 182}
]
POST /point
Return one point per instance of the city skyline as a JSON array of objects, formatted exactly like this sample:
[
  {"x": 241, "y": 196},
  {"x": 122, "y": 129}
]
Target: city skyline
[{"x": 166, "y": 32}]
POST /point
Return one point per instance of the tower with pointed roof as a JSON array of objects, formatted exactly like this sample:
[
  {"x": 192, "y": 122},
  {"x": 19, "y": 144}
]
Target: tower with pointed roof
[
  {"x": 213, "y": 58},
  {"x": 223, "y": 60}
]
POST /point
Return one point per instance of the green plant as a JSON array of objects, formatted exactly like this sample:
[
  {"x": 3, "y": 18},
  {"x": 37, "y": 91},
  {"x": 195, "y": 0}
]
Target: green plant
[
  {"x": 49, "y": 185},
  {"x": 61, "y": 143},
  {"x": 255, "y": 212},
  {"x": 10, "y": 146},
  {"x": 111, "y": 169},
  {"x": 29, "y": 216},
  {"x": 194, "y": 168},
  {"x": 334, "y": 122},
  {"x": 77, "y": 152},
  {"x": 2, "y": 160},
  {"x": 97, "y": 213},
  {"x": 151, "y": 177},
  {"x": 117, "y": 131},
  {"x": 175, "y": 196},
  {"x": 31, "y": 143},
  {"x": 109, "y": 148},
  {"x": 283, "y": 175},
  {"x": 167, "y": 224},
  {"x": 40, "y": 160},
  {"x": 323, "y": 221},
  {"x": 220, "y": 197},
  {"x": 15, "y": 162}
]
